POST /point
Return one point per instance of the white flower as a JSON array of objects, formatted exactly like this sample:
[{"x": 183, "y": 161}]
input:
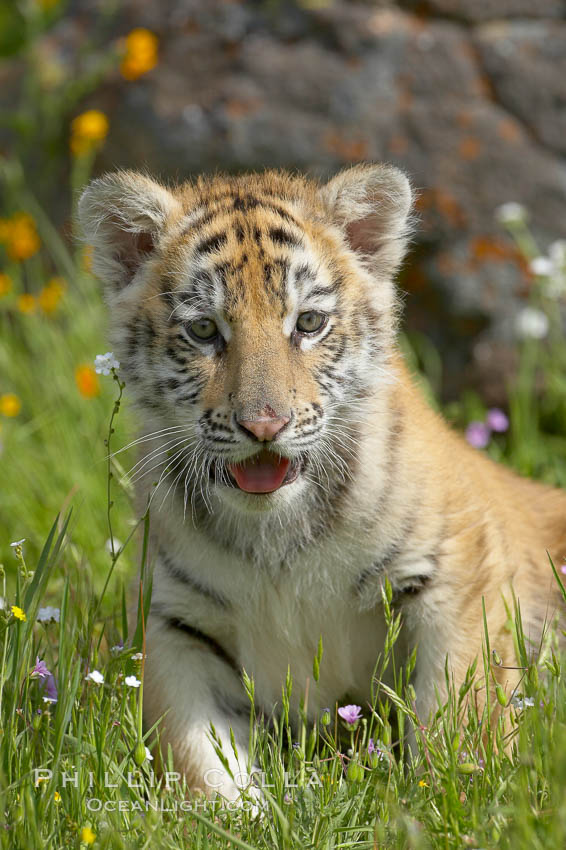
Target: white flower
[
  {"x": 117, "y": 545},
  {"x": 542, "y": 266},
  {"x": 104, "y": 363},
  {"x": 511, "y": 213},
  {"x": 132, "y": 682},
  {"x": 116, "y": 650},
  {"x": 49, "y": 699},
  {"x": 96, "y": 677},
  {"x": 148, "y": 754},
  {"x": 532, "y": 323},
  {"x": 17, "y": 543},
  {"x": 138, "y": 656},
  {"x": 48, "y": 614},
  {"x": 520, "y": 704}
]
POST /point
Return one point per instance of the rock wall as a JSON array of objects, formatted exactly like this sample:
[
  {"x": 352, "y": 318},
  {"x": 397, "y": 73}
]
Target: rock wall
[{"x": 468, "y": 96}]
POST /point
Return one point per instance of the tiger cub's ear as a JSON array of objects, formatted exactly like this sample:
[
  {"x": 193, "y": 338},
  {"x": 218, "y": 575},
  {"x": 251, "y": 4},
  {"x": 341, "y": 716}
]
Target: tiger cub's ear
[
  {"x": 371, "y": 203},
  {"x": 123, "y": 216}
]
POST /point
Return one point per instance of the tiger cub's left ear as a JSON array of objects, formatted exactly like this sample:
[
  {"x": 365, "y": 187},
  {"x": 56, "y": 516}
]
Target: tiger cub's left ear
[{"x": 371, "y": 204}]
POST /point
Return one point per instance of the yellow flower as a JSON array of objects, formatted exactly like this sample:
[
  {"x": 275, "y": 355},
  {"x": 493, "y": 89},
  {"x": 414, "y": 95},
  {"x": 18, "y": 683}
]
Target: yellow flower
[
  {"x": 20, "y": 236},
  {"x": 87, "y": 835},
  {"x": 87, "y": 381},
  {"x": 6, "y": 284},
  {"x": 51, "y": 294},
  {"x": 10, "y": 405},
  {"x": 140, "y": 54},
  {"x": 26, "y": 303},
  {"x": 57, "y": 797},
  {"x": 39, "y": 780},
  {"x": 422, "y": 784},
  {"x": 18, "y": 613},
  {"x": 88, "y": 131}
]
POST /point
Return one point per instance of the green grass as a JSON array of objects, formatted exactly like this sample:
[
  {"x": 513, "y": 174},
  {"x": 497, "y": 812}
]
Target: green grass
[
  {"x": 326, "y": 791},
  {"x": 53, "y": 452}
]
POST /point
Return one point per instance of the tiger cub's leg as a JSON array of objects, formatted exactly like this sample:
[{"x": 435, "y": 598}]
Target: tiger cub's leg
[{"x": 192, "y": 683}]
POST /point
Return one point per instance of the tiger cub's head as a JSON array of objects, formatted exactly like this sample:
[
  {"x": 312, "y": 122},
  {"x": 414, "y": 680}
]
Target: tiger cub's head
[{"x": 251, "y": 316}]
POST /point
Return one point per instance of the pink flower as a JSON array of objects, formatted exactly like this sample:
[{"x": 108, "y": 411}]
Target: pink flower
[
  {"x": 40, "y": 670},
  {"x": 477, "y": 434},
  {"x": 563, "y": 569},
  {"x": 350, "y": 714},
  {"x": 497, "y": 420}
]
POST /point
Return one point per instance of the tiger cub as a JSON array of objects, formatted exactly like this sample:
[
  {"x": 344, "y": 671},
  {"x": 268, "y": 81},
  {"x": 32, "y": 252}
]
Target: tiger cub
[{"x": 296, "y": 462}]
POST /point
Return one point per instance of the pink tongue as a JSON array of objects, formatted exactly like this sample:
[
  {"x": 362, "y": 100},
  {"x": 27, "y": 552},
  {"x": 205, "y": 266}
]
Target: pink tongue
[{"x": 262, "y": 474}]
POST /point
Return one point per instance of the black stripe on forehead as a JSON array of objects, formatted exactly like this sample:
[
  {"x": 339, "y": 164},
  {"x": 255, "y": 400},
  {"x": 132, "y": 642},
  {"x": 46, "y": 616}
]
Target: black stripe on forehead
[
  {"x": 211, "y": 244},
  {"x": 242, "y": 203},
  {"x": 245, "y": 203},
  {"x": 276, "y": 273},
  {"x": 280, "y": 236}
]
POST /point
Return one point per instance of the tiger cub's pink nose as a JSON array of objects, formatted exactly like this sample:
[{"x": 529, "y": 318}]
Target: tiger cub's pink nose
[{"x": 264, "y": 427}]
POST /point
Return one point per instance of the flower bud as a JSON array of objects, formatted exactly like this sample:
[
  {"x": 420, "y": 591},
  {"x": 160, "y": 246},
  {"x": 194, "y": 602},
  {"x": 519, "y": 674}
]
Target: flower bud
[
  {"x": 355, "y": 772},
  {"x": 468, "y": 767},
  {"x": 316, "y": 669},
  {"x": 500, "y": 694},
  {"x": 139, "y": 753}
]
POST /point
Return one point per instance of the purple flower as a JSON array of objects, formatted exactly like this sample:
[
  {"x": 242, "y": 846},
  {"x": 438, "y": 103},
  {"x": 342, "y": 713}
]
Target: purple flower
[
  {"x": 350, "y": 714},
  {"x": 50, "y": 689},
  {"x": 477, "y": 434},
  {"x": 48, "y": 681},
  {"x": 40, "y": 670},
  {"x": 497, "y": 420},
  {"x": 375, "y": 753}
]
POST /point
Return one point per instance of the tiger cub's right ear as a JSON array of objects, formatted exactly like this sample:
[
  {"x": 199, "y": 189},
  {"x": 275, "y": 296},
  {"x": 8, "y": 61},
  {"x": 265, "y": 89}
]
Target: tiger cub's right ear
[{"x": 123, "y": 216}]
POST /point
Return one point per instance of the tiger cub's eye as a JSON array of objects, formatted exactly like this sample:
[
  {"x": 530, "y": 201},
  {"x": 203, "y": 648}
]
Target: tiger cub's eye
[
  {"x": 204, "y": 330},
  {"x": 311, "y": 322}
]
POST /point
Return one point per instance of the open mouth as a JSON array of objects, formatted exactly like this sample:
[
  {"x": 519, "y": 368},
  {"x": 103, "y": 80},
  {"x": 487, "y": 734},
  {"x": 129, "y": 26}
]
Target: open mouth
[{"x": 264, "y": 472}]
